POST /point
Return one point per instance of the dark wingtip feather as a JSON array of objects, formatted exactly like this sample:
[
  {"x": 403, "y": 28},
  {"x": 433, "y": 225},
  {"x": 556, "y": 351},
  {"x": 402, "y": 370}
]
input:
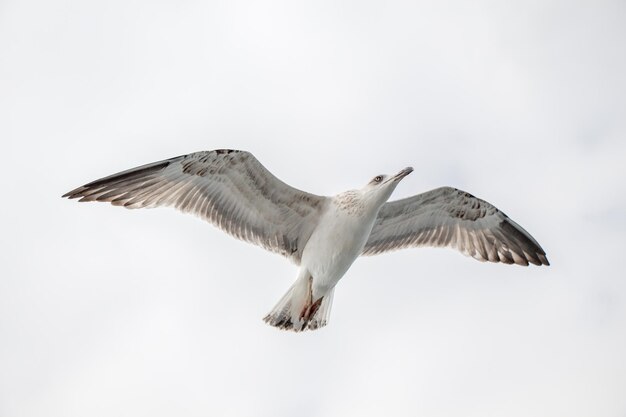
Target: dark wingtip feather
[
  {"x": 530, "y": 249},
  {"x": 80, "y": 192},
  {"x": 127, "y": 175},
  {"x": 75, "y": 193},
  {"x": 506, "y": 258},
  {"x": 523, "y": 261}
]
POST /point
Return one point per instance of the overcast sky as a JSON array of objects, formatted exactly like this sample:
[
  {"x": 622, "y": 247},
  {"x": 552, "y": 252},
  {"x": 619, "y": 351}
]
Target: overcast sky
[{"x": 111, "y": 312}]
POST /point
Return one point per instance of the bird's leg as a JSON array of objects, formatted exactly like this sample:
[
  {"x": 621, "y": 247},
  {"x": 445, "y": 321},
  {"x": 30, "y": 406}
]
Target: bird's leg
[
  {"x": 310, "y": 307},
  {"x": 304, "y": 314},
  {"x": 315, "y": 306}
]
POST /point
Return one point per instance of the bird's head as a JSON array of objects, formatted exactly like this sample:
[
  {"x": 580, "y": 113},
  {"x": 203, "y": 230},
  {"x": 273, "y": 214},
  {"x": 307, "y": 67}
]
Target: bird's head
[{"x": 381, "y": 186}]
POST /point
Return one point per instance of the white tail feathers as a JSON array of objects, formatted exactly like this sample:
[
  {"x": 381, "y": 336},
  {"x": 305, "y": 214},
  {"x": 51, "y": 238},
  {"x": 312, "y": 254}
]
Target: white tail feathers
[{"x": 297, "y": 311}]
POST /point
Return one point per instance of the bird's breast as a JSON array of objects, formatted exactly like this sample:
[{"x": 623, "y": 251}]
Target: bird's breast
[{"x": 334, "y": 245}]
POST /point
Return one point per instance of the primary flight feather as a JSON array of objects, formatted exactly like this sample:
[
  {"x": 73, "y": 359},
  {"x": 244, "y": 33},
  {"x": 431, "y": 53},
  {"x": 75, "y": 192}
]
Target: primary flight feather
[{"x": 323, "y": 235}]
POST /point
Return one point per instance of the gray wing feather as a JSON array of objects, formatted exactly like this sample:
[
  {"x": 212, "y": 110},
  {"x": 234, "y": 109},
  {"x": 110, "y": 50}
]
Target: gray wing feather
[
  {"x": 230, "y": 189},
  {"x": 448, "y": 217}
]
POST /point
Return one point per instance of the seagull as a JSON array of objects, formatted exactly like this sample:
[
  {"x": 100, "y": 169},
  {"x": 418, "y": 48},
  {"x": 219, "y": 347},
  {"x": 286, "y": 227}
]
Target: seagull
[{"x": 322, "y": 235}]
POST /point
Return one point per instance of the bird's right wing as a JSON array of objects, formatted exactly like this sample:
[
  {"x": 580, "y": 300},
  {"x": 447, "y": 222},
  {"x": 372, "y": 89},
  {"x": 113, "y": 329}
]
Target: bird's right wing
[
  {"x": 450, "y": 217},
  {"x": 228, "y": 188}
]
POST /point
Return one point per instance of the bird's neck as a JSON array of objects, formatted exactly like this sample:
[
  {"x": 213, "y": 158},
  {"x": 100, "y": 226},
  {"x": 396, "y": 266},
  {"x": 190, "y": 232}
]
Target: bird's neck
[{"x": 355, "y": 203}]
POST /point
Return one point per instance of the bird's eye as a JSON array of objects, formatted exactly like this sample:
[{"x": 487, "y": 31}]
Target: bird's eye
[{"x": 378, "y": 178}]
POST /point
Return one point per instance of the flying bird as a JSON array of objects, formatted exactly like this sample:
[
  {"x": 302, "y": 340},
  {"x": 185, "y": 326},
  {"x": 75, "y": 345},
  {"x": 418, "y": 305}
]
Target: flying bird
[{"x": 323, "y": 235}]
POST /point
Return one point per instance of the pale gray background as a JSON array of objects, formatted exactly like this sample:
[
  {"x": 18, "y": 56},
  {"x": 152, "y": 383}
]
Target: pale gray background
[{"x": 109, "y": 312}]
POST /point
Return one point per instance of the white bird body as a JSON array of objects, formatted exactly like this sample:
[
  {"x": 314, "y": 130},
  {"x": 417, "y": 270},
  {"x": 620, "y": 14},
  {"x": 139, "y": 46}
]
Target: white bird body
[
  {"x": 338, "y": 240},
  {"x": 323, "y": 235},
  {"x": 341, "y": 233}
]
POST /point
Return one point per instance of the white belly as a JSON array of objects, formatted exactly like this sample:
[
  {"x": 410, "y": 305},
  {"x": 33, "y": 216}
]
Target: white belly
[{"x": 334, "y": 245}]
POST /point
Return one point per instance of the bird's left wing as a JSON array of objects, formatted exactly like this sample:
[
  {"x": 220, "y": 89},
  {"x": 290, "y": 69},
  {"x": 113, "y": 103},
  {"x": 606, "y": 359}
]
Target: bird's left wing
[
  {"x": 228, "y": 188},
  {"x": 450, "y": 217}
]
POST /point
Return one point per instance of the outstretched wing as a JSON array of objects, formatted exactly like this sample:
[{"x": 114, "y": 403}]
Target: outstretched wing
[
  {"x": 450, "y": 217},
  {"x": 228, "y": 188}
]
